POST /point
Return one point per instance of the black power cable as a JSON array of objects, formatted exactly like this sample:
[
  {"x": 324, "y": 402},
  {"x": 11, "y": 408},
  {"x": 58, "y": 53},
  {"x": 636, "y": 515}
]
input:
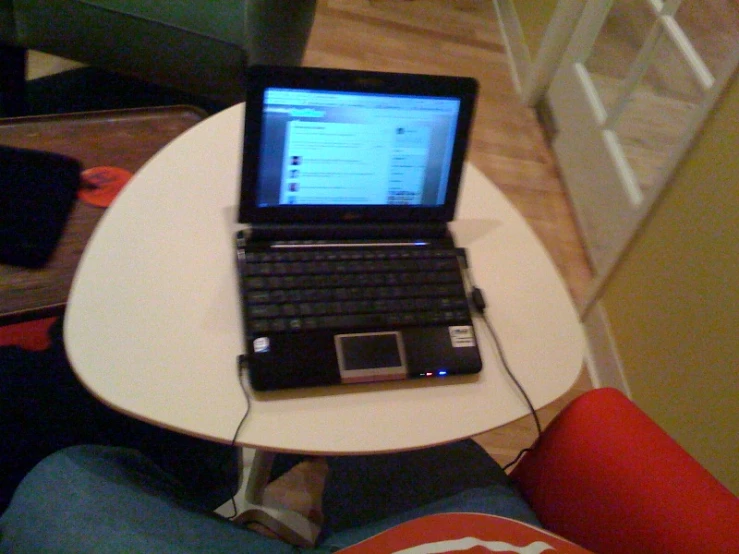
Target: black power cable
[
  {"x": 242, "y": 368},
  {"x": 478, "y": 302}
]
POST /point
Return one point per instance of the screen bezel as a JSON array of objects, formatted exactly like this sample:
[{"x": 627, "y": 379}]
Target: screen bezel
[{"x": 260, "y": 78}]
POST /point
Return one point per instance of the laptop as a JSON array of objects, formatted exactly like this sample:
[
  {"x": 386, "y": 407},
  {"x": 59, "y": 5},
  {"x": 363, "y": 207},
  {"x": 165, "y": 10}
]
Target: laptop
[{"x": 348, "y": 271}]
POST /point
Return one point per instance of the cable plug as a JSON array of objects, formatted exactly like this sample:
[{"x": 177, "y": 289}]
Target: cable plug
[
  {"x": 478, "y": 299},
  {"x": 462, "y": 256},
  {"x": 242, "y": 365}
]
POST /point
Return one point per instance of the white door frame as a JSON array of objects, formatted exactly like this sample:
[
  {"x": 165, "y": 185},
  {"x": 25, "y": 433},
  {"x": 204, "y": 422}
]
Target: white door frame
[
  {"x": 533, "y": 77},
  {"x": 532, "y": 72},
  {"x": 653, "y": 195},
  {"x": 586, "y": 103}
]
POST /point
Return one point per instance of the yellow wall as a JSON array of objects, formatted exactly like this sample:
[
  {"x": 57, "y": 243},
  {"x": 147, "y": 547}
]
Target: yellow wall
[
  {"x": 673, "y": 302},
  {"x": 534, "y": 16}
]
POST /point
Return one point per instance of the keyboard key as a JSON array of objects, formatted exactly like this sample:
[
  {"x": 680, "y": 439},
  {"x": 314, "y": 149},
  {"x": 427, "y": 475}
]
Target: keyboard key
[
  {"x": 258, "y": 297},
  {"x": 260, "y": 325},
  {"x": 264, "y": 311}
]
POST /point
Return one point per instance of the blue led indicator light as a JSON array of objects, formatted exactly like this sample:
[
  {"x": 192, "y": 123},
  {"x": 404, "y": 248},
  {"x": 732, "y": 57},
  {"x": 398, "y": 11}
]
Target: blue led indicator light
[{"x": 442, "y": 372}]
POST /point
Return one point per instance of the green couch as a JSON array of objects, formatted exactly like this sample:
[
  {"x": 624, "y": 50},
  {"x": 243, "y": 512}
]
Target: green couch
[{"x": 197, "y": 46}]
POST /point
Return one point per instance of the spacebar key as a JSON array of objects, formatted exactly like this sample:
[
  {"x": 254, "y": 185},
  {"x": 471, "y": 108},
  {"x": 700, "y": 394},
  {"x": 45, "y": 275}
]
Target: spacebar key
[{"x": 361, "y": 320}]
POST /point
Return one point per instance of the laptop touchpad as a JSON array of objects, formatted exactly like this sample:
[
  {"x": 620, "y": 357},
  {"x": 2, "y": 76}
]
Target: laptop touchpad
[{"x": 371, "y": 356}]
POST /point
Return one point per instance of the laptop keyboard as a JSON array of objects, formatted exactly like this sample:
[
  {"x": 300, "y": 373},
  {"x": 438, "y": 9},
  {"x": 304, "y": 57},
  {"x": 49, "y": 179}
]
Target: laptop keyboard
[{"x": 352, "y": 288}]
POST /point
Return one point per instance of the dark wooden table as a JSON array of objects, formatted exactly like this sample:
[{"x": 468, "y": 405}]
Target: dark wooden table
[{"x": 120, "y": 138}]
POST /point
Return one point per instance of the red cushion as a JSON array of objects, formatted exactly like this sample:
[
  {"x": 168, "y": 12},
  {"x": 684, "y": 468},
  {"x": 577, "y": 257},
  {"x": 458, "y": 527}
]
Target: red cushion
[
  {"x": 608, "y": 478},
  {"x": 464, "y": 532}
]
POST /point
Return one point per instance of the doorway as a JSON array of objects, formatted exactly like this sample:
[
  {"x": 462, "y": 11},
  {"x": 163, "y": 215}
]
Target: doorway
[{"x": 636, "y": 82}]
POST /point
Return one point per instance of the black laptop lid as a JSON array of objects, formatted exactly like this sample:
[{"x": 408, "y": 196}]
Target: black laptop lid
[{"x": 336, "y": 146}]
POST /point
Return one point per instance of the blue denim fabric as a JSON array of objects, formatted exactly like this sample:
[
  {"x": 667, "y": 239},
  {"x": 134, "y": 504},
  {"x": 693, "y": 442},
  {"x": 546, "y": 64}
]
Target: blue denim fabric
[
  {"x": 113, "y": 500},
  {"x": 495, "y": 499}
]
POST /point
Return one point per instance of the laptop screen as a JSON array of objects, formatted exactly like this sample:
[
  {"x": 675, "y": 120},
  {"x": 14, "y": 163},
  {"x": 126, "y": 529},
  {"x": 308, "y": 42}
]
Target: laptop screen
[
  {"x": 328, "y": 145},
  {"x": 324, "y": 147}
]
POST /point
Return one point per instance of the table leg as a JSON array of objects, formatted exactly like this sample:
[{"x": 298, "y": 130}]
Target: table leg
[{"x": 251, "y": 505}]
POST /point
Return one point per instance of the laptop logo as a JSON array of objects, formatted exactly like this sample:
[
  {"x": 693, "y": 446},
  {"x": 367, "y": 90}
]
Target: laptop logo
[
  {"x": 462, "y": 336},
  {"x": 261, "y": 345}
]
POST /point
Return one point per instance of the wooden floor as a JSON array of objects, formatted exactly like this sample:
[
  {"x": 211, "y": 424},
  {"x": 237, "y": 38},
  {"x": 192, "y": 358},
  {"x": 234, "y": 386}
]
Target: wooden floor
[
  {"x": 457, "y": 37},
  {"x": 461, "y": 37}
]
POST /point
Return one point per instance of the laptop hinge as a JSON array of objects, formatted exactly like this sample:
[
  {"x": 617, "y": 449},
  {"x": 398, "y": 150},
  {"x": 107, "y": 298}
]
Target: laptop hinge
[{"x": 313, "y": 231}]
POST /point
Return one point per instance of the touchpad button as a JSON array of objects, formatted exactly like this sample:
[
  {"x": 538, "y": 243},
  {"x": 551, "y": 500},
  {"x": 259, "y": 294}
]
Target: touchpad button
[{"x": 371, "y": 356}]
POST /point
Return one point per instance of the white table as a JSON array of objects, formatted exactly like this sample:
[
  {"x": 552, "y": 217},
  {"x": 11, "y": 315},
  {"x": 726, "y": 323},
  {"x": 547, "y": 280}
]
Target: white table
[{"x": 153, "y": 325}]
